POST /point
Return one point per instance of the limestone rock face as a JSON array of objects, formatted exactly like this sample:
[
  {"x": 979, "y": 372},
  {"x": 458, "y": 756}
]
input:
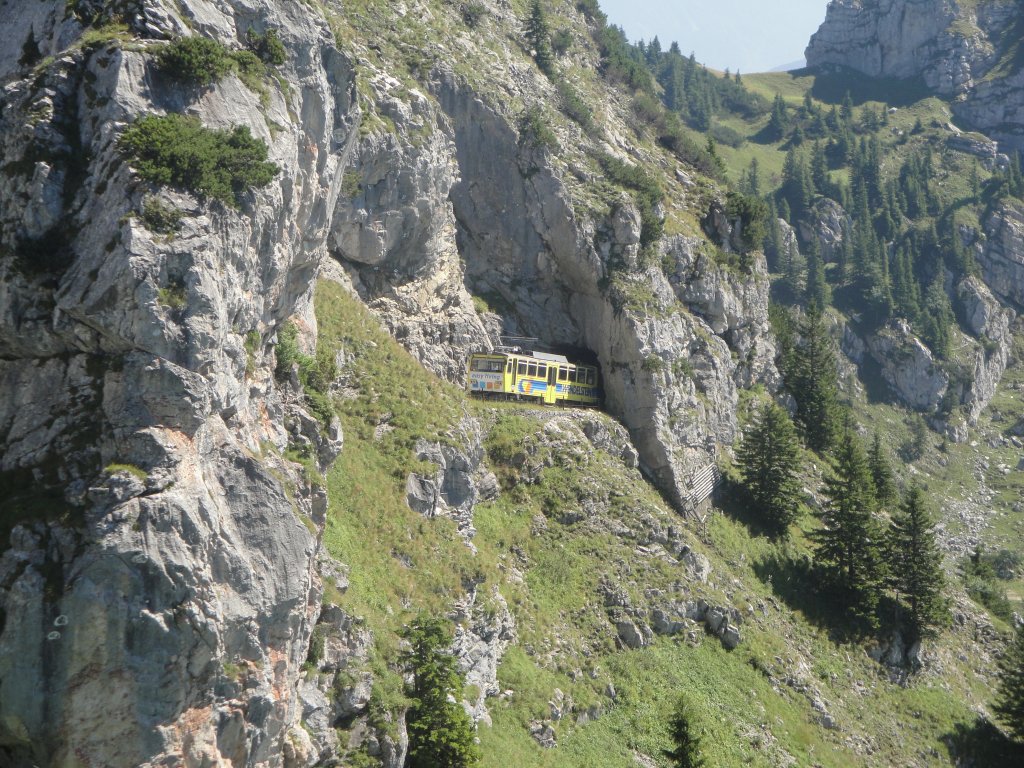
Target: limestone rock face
[
  {"x": 989, "y": 321},
  {"x": 1001, "y": 254},
  {"x": 453, "y": 206},
  {"x": 166, "y": 579},
  {"x": 885, "y": 38},
  {"x": 930, "y": 386},
  {"x": 160, "y": 602},
  {"x": 953, "y": 47},
  {"x": 908, "y": 366}
]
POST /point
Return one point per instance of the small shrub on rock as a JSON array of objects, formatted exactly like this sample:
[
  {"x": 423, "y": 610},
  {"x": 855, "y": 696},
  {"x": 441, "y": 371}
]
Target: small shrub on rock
[
  {"x": 473, "y": 13},
  {"x": 267, "y": 46},
  {"x": 534, "y": 130},
  {"x": 197, "y": 60},
  {"x": 160, "y": 217},
  {"x": 180, "y": 151}
]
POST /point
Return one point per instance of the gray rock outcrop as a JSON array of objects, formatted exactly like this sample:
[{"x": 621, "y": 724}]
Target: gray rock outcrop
[
  {"x": 1000, "y": 254},
  {"x": 956, "y": 49},
  {"x": 454, "y": 202},
  {"x": 908, "y": 366},
  {"x": 159, "y": 607}
]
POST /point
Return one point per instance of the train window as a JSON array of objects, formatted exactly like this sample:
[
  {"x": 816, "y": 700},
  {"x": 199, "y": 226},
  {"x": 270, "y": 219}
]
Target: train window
[
  {"x": 532, "y": 369},
  {"x": 487, "y": 365},
  {"x": 563, "y": 373},
  {"x": 591, "y": 376},
  {"x": 508, "y": 368},
  {"x": 581, "y": 376},
  {"x": 522, "y": 368},
  {"x": 542, "y": 370}
]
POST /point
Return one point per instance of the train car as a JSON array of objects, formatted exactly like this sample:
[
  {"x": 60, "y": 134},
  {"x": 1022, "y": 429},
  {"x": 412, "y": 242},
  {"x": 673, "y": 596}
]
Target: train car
[{"x": 534, "y": 376}]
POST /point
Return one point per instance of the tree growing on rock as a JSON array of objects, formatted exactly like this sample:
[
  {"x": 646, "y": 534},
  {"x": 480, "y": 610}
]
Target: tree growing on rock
[
  {"x": 849, "y": 544},
  {"x": 769, "y": 458},
  {"x": 1009, "y": 706},
  {"x": 915, "y": 564},
  {"x": 440, "y": 731},
  {"x": 538, "y": 35}
]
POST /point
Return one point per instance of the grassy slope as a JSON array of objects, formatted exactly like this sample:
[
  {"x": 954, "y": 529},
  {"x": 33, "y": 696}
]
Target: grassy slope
[
  {"x": 549, "y": 571},
  {"x": 950, "y": 472},
  {"x": 401, "y": 562}
]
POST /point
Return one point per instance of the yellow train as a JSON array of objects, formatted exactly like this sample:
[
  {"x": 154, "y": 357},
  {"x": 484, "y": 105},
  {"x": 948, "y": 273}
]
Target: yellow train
[{"x": 535, "y": 376}]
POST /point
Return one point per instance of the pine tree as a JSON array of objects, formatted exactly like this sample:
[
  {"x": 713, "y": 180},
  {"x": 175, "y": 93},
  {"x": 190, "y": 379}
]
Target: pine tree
[
  {"x": 849, "y": 544},
  {"x": 773, "y": 242},
  {"x": 812, "y": 381},
  {"x": 881, "y": 473},
  {"x": 1009, "y": 706},
  {"x": 769, "y": 458},
  {"x": 686, "y": 753},
  {"x": 753, "y": 179},
  {"x": 937, "y": 317},
  {"x": 817, "y": 288},
  {"x": 845, "y": 256},
  {"x": 778, "y": 124},
  {"x": 440, "y": 731},
  {"x": 793, "y": 267},
  {"x": 819, "y": 169},
  {"x": 539, "y": 36},
  {"x": 916, "y": 565}
]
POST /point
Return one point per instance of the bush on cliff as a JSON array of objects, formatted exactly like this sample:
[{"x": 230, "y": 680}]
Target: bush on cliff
[
  {"x": 180, "y": 151},
  {"x": 199, "y": 60}
]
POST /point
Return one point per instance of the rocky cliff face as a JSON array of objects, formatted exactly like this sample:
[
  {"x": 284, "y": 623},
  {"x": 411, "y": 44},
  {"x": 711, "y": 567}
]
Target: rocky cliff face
[
  {"x": 159, "y": 604},
  {"x": 161, "y": 572},
  {"x": 474, "y": 209},
  {"x": 960, "y": 50}
]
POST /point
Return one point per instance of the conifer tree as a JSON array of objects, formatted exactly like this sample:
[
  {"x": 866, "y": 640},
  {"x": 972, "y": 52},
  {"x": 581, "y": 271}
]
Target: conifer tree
[
  {"x": 812, "y": 381},
  {"x": 881, "y": 473},
  {"x": 849, "y": 545},
  {"x": 817, "y": 288},
  {"x": 538, "y": 35},
  {"x": 769, "y": 459},
  {"x": 1009, "y": 706},
  {"x": 773, "y": 242},
  {"x": 778, "y": 124},
  {"x": 916, "y": 565},
  {"x": 440, "y": 731},
  {"x": 686, "y": 753},
  {"x": 784, "y": 212},
  {"x": 752, "y": 179},
  {"x": 937, "y": 317},
  {"x": 819, "y": 169},
  {"x": 793, "y": 268},
  {"x": 845, "y": 256}
]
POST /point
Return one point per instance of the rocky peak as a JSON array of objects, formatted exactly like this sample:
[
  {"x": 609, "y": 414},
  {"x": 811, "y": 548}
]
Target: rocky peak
[{"x": 963, "y": 51}]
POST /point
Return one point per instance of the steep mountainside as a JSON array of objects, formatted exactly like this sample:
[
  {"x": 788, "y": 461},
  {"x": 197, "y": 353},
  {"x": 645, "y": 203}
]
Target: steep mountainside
[
  {"x": 143, "y": 431},
  {"x": 245, "y": 249},
  {"x": 968, "y": 51}
]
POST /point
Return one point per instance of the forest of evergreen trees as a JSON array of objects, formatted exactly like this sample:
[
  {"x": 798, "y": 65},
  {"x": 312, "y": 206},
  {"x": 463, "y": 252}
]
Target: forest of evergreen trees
[{"x": 875, "y": 550}]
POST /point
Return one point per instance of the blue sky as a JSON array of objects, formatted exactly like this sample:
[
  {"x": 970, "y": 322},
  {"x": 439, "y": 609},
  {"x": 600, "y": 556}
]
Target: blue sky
[{"x": 749, "y": 35}]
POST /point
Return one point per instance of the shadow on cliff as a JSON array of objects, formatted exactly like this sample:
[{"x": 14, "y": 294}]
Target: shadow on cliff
[
  {"x": 981, "y": 744},
  {"x": 831, "y": 86}
]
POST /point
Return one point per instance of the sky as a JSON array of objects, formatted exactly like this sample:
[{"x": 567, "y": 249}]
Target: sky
[{"x": 748, "y": 35}]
